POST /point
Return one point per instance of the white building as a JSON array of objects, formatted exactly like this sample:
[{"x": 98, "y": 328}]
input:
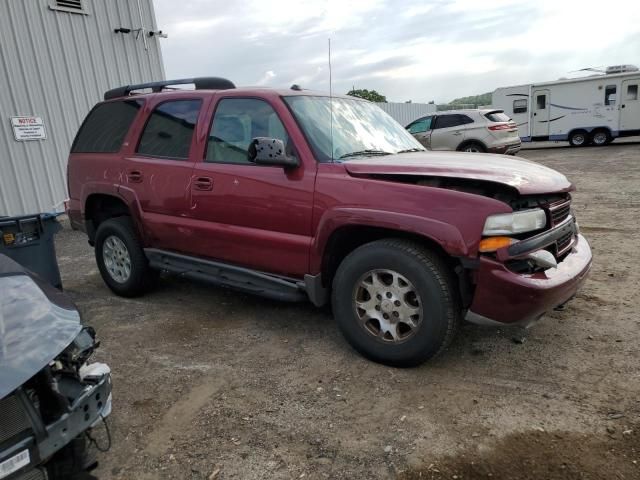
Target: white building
[
  {"x": 57, "y": 58},
  {"x": 405, "y": 113}
]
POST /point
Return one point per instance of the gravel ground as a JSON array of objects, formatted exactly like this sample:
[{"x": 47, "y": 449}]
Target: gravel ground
[{"x": 211, "y": 383}]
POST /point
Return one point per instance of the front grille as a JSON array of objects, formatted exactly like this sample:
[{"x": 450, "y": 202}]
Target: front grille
[
  {"x": 559, "y": 212},
  {"x": 35, "y": 474},
  {"x": 13, "y": 419}
]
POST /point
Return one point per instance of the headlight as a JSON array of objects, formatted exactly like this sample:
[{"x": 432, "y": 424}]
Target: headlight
[{"x": 516, "y": 222}]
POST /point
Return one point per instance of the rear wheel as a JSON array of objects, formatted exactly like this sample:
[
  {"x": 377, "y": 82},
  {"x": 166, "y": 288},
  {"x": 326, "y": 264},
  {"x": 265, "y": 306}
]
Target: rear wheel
[
  {"x": 121, "y": 260},
  {"x": 473, "y": 147},
  {"x": 395, "y": 302},
  {"x": 579, "y": 138},
  {"x": 600, "y": 138}
]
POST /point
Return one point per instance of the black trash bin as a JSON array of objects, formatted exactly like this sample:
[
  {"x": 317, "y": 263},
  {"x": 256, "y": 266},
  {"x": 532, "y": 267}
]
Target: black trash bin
[{"x": 28, "y": 240}]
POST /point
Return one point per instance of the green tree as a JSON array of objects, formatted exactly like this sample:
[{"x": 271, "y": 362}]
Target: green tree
[{"x": 370, "y": 95}]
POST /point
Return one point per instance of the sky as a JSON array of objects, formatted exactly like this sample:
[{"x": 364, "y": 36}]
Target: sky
[{"x": 405, "y": 49}]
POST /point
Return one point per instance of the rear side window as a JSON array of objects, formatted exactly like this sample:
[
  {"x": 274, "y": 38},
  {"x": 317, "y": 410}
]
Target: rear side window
[
  {"x": 105, "y": 127},
  {"x": 169, "y": 130},
  {"x": 454, "y": 120},
  {"x": 498, "y": 116}
]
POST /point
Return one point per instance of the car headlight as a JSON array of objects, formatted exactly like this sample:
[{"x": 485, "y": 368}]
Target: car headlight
[{"x": 516, "y": 222}]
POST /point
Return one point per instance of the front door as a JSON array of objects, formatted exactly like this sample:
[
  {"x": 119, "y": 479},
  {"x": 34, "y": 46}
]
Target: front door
[
  {"x": 630, "y": 105},
  {"x": 252, "y": 215},
  {"x": 541, "y": 109}
]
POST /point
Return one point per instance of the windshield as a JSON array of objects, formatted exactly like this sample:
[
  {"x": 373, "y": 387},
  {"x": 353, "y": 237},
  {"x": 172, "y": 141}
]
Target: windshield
[{"x": 359, "y": 128}]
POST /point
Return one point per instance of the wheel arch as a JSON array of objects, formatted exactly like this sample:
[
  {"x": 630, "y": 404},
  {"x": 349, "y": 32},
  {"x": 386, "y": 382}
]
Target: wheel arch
[
  {"x": 469, "y": 141},
  {"x": 99, "y": 207}
]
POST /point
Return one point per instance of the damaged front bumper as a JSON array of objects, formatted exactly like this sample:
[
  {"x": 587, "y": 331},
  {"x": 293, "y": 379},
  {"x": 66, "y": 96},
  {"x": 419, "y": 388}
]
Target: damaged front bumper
[
  {"x": 503, "y": 296},
  {"x": 28, "y": 449}
]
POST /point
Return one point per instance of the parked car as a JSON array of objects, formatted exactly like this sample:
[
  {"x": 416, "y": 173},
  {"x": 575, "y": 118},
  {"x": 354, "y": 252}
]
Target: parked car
[
  {"x": 468, "y": 131},
  {"x": 296, "y": 195},
  {"x": 50, "y": 396}
]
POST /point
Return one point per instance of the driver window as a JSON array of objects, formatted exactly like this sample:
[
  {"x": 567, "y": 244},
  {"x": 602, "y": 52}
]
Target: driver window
[
  {"x": 236, "y": 122},
  {"x": 421, "y": 125}
]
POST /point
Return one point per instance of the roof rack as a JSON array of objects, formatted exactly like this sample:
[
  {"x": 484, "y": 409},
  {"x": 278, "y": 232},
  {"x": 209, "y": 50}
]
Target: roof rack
[{"x": 201, "y": 83}]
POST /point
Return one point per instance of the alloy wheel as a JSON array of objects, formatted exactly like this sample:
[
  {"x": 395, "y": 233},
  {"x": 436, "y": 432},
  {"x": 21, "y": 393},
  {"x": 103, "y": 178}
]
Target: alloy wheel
[
  {"x": 116, "y": 259},
  {"x": 387, "y": 305}
]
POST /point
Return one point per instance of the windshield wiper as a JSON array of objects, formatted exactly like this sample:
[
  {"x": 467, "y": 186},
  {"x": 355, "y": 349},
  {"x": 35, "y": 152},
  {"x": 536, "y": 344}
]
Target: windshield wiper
[
  {"x": 411, "y": 150},
  {"x": 364, "y": 153}
]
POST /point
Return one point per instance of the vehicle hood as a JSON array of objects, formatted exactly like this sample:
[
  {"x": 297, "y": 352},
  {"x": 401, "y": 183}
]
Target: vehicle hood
[
  {"x": 525, "y": 176},
  {"x": 37, "y": 322}
]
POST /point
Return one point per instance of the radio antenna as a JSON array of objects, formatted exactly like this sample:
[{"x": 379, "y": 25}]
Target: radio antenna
[{"x": 331, "y": 100}]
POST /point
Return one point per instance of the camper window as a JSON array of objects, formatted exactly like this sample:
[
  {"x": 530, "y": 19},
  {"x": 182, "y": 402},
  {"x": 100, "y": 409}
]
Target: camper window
[
  {"x": 632, "y": 92},
  {"x": 520, "y": 106},
  {"x": 610, "y": 95},
  {"x": 541, "y": 101}
]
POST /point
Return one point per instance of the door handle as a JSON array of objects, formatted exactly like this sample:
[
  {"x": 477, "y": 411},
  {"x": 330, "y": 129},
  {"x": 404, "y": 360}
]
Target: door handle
[
  {"x": 534, "y": 114},
  {"x": 622, "y": 106},
  {"x": 203, "y": 183},
  {"x": 457, "y": 133},
  {"x": 135, "y": 176}
]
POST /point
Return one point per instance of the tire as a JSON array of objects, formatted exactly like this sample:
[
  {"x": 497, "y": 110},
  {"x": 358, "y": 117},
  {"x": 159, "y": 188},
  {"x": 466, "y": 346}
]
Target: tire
[
  {"x": 121, "y": 259},
  {"x": 579, "y": 138},
  {"x": 600, "y": 138},
  {"x": 473, "y": 147},
  {"x": 430, "y": 290}
]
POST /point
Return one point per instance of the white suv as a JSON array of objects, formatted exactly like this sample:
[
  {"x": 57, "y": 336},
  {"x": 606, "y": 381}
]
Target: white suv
[{"x": 467, "y": 131}]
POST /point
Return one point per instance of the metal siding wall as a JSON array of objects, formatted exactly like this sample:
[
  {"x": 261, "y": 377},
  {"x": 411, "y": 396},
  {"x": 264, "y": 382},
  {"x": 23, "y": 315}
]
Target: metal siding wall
[
  {"x": 405, "y": 113},
  {"x": 57, "y": 65}
]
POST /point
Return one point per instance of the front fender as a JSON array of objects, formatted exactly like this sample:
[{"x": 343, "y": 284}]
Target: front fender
[{"x": 444, "y": 234}]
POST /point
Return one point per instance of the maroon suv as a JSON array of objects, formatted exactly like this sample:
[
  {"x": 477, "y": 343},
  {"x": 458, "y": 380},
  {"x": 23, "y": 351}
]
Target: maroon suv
[{"x": 295, "y": 195}]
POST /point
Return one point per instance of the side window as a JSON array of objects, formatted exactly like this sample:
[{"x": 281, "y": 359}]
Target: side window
[
  {"x": 541, "y": 102},
  {"x": 454, "y": 120},
  {"x": 169, "y": 130},
  {"x": 520, "y": 106},
  {"x": 421, "y": 125},
  {"x": 105, "y": 127},
  {"x": 236, "y": 122},
  {"x": 632, "y": 92},
  {"x": 610, "y": 95}
]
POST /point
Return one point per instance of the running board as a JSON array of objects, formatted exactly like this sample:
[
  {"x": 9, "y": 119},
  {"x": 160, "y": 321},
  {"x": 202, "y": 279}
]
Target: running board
[{"x": 217, "y": 273}]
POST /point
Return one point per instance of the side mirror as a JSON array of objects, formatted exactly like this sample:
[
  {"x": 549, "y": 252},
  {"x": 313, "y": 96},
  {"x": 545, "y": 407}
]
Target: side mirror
[{"x": 270, "y": 151}]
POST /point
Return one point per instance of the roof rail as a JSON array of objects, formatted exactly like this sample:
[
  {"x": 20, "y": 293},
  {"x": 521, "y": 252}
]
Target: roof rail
[{"x": 201, "y": 83}]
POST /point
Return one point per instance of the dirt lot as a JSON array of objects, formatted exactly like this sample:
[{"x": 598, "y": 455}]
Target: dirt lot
[{"x": 209, "y": 380}]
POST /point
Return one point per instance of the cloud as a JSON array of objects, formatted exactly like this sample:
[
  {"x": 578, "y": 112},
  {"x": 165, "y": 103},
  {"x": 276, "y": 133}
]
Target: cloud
[{"x": 409, "y": 49}]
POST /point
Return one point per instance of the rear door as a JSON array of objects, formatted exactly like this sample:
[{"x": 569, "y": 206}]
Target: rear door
[
  {"x": 449, "y": 131},
  {"x": 630, "y": 105},
  {"x": 421, "y": 130},
  {"x": 253, "y": 215},
  {"x": 541, "y": 111},
  {"x": 157, "y": 170}
]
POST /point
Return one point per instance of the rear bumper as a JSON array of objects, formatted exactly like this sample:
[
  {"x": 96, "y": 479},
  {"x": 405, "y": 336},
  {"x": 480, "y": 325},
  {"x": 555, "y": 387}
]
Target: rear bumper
[
  {"x": 510, "y": 149},
  {"x": 505, "y": 297},
  {"x": 75, "y": 215}
]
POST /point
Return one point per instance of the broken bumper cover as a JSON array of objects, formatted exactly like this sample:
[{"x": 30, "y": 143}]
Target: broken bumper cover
[
  {"x": 87, "y": 410},
  {"x": 505, "y": 297}
]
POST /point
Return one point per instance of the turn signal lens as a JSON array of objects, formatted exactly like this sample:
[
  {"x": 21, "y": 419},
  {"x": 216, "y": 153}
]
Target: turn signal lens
[{"x": 492, "y": 244}]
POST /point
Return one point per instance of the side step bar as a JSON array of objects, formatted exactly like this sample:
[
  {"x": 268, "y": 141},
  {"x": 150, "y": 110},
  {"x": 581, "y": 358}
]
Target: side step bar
[{"x": 217, "y": 273}]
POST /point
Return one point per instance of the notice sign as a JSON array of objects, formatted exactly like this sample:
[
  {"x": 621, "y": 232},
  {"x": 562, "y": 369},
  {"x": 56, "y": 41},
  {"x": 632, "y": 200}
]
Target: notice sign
[{"x": 28, "y": 128}]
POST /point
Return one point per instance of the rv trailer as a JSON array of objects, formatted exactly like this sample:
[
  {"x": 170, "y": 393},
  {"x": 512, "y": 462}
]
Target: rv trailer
[{"x": 587, "y": 110}]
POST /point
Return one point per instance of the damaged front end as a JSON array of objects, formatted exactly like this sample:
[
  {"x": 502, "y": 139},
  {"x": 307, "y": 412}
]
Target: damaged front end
[{"x": 50, "y": 396}]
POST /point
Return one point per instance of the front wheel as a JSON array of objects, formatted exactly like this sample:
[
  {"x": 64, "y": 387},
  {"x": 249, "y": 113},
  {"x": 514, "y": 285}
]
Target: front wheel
[{"x": 396, "y": 302}]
